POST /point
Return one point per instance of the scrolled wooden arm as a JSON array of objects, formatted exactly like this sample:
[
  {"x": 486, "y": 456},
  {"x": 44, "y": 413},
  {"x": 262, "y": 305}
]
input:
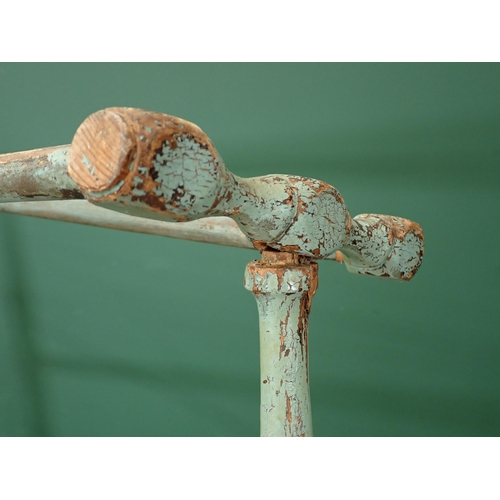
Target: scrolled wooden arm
[{"x": 161, "y": 167}]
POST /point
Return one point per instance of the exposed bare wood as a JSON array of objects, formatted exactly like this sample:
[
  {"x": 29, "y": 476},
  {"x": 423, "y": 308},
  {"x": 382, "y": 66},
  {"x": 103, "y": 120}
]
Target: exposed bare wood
[{"x": 158, "y": 166}]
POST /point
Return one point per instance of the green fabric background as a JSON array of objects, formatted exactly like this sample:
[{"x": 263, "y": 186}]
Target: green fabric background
[{"x": 107, "y": 333}]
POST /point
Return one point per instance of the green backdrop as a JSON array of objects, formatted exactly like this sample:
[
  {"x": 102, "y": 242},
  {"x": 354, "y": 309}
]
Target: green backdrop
[{"x": 106, "y": 333}]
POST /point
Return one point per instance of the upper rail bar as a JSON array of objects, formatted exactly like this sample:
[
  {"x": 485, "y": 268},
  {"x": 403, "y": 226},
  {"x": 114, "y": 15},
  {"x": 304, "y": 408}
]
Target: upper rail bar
[{"x": 160, "y": 167}]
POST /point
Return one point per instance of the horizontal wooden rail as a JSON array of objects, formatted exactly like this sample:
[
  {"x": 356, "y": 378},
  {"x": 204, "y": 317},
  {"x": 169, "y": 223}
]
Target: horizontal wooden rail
[
  {"x": 216, "y": 230},
  {"x": 153, "y": 173},
  {"x": 158, "y": 166}
]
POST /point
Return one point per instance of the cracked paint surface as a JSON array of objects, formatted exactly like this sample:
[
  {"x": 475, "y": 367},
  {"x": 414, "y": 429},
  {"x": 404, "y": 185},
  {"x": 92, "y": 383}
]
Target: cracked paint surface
[
  {"x": 161, "y": 167},
  {"x": 283, "y": 286},
  {"x": 384, "y": 246}
]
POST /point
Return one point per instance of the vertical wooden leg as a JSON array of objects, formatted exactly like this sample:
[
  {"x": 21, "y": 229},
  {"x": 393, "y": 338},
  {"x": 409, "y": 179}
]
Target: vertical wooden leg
[{"x": 283, "y": 285}]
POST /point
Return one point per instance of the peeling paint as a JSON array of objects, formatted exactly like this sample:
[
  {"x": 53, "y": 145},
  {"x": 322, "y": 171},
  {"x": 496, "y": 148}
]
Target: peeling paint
[
  {"x": 283, "y": 318},
  {"x": 162, "y": 167},
  {"x": 384, "y": 246}
]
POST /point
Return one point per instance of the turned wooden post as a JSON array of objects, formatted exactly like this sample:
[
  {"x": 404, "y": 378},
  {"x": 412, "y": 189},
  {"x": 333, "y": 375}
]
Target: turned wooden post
[{"x": 283, "y": 285}]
